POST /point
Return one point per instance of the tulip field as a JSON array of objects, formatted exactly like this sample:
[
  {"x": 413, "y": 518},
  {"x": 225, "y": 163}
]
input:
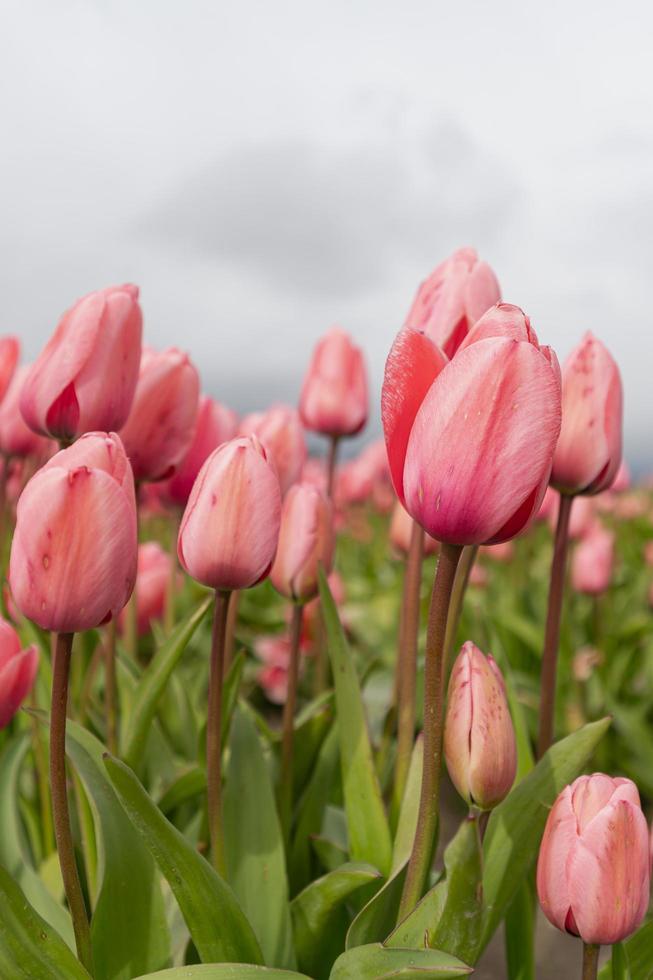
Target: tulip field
[{"x": 353, "y": 715}]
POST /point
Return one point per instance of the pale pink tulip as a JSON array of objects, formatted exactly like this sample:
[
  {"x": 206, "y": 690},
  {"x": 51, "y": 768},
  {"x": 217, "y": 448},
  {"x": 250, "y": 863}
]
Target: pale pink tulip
[
  {"x": 9, "y": 354},
  {"x": 274, "y": 652},
  {"x": 16, "y": 438},
  {"x": 334, "y": 398},
  {"x": 152, "y": 579},
  {"x": 401, "y": 529},
  {"x": 593, "y": 562},
  {"x": 360, "y": 477},
  {"x": 306, "y": 543},
  {"x": 215, "y": 424},
  {"x": 280, "y": 430},
  {"x": 17, "y": 671}
]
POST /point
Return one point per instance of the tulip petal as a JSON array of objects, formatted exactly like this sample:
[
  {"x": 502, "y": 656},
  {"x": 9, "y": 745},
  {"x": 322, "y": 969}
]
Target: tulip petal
[
  {"x": 558, "y": 842},
  {"x": 16, "y": 680}
]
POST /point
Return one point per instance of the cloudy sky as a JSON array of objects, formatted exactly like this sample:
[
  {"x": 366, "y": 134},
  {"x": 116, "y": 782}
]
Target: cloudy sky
[{"x": 265, "y": 169}]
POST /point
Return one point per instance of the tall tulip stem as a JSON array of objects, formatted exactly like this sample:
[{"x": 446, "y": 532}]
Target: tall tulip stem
[
  {"x": 429, "y": 803},
  {"x": 60, "y": 811},
  {"x": 552, "y": 632},
  {"x": 407, "y": 664},
  {"x": 214, "y": 730},
  {"x": 111, "y": 687},
  {"x": 286, "y": 780},
  {"x": 590, "y": 961},
  {"x": 463, "y": 572}
]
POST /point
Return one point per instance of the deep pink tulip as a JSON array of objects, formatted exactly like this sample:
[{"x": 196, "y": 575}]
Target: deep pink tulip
[
  {"x": 401, "y": 529},
  {"x": 479, "y": 738},
  {"x": 306, "y": 543},
  {"x": 9, "y": 354},
  {"x": 152, "y": 578},
  {"x": 16, "y": 437},
  {"x": 593, "y": 562},
  {"x": 162, "y": 420},
  {"x": 593, "y": 868},
  {"x": 215, "y": 424},
  {"x": 280, "y": 430},
  {"x": 456, "y": 294},
  {"x": 17, "y": 671},
  {"x": 230, "y": 528},
  {"x": 73, "y": 555},
  {"x": 470, "y": 443},
  {"x": 334, "y": 398},
  {"x": 588, "y": 453},
  {"x": 85, "y": 377}
]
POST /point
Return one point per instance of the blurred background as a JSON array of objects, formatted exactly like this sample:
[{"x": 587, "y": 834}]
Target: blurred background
[{"x": 265, "y": 169}]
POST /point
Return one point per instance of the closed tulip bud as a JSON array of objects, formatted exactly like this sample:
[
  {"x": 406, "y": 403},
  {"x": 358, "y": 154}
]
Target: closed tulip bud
[
  {"x": 230, "y": 528},
  {"x": 17, "y": 672},
  {"x": 9, "y": 353},
  {"x": 333, "y": 399},
  {"x": 479, "y": 738},
  {"x": 453, "y": 298},
  {"x": 588, "y": 453},
  {"x": 470, "y": 442},
  {"x": 16, "y": 438},
  {"x": 281, "y": 432},
  {"x": 161, "y": 424},
  {"x": 152, "y": 578},
  {"x": 73, "y": 555},
  {"x": 85, "y": 377},
  {"x": 593, "y": 868},
  {"x": 215, "y": 424},
  {"x": 401, "y": 529},
  {"x": 306, "y": 542},
  {"x": 593, "y": 562},
  {"x": 273, "y": 676}
]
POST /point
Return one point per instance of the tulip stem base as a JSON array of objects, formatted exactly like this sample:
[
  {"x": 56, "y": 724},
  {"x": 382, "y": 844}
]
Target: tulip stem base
[
  {"x": 60, "y": 810},
  {"x": 429, "y": 803},
  {"x": 214, "y": 731},
  {"x": 590, "y": 961},
  {"x": 552, "y": 632},
  {"x": 286, "y": 779}
]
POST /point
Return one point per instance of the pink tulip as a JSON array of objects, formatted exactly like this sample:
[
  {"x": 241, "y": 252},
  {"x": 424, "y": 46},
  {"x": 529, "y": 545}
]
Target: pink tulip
[
  {"x": 588, "y": 453},
  {"x": 306, "y": 543},
  {"x": 622, "y": 480},
  {"x": 360, "y": 477},
  {"x": 85, "y": 377},
  {"x": 312, "y": 619},
  {"x": 9, "y": 354},
  {"x": 161, "y": 424},
  {"x": 17, "y": 672},
  {"x": 470, "y": 443},
  {"x": 456, "y": 294},
  {"x": 274, "y": 652},
  {"x": 593, "y": 868},
  {"x": 401, "y": 529},
  {"x": 16, "y": 438},
  {"x": 230, "y": 528},
  {"x": 502, "y": 553},
  {"x": 152, "y": 578},
  {"x": 334, "y": 399},
  {"x": 73, "y": 555},
  {"x": 593, "y": 561},
  {"x": 583, "y": 515},
  {"x": 549, "y": 507},
  {"x": 281, "y": 432},
  {"x": 215, "y": 424},
  {"x": 479, "y": 738}
]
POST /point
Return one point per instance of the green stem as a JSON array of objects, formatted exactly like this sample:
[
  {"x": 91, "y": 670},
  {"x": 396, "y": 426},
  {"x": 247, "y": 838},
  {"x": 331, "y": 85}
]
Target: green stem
[
  {"x": 60, "y": 811},
  {"x": 230, "y": 639},
  {"x": 111, "y": 688},
  {"x": 552, "y": 632},
  {"x": 214, "y": 731},
  {"x": 590, "y": 961},
  {"x": 429, "y": 803},
  {"x": 286, "y": 779}
]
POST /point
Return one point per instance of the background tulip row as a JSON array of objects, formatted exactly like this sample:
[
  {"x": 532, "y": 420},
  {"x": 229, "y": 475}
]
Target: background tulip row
[{"x": 291, "y": 716}]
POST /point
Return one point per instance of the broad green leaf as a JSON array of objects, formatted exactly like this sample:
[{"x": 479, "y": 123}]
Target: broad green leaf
[
  {"x": 14, "y": 854},
  {"x": 224, "y": 971},
  {"x": 519, "y": 928},
  {"x": 153, "y": 682},
  {"x": 311, "y": 810},
  {"x": 187, "y": 786},
  {"x": 516, "y": 825},
  {"x": 330, "y": 854},
  {"x": 369, "y": 833},
  {"x": 256, "y": 867},
  {"x": 377, "y": 962},
  {"x": 377, "y": 919},
  {"x": 319, "y": 919},
  {"x": 211, "y": 911},
  {"x": 29, "y": 947},
  {"x": 407, "y": 823},
  {"x": 634, "y": 960},
  {"x": 310, "y": 730}
]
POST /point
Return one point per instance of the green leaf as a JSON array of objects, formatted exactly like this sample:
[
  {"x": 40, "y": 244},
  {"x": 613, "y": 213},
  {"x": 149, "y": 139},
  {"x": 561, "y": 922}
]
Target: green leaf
[
  {"x": 224, "y": 971},
  {"x": 29, "y": 947},
  {"x": 256, "y": 867},
  {"x": 152, "y": 684},
  {"x": 519, "y": 929},
  {"x": 407, "y": 823},
  {"x": 319, "y": 919},
  {"x": 211, "y": 911},
  {"x": 369, "y": 833},
  {"x": 311, "y": 809},
  {"x": 634, "y": 959},
  {"x": 377, "y": 919},
  {"x": 516, "y": 825},
  {"x": 330, "y": 854},
  {"x": 377, "y": 962},
  {"x": 188, "y": 785},
  {"x": 14, "y": 855}
]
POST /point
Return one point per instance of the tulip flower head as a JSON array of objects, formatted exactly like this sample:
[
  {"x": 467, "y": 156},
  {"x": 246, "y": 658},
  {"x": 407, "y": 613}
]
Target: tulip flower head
[
  {"x": 334, "y": 398},
  {"x": 306, "y": 542},
  {"x": 9, "y": 354},
  {"x": 152, "y": 579},
  {"x": 73, "y": 555},
  {"x": 593, "y": 876},
  {"x": 16, "y": 437},
  {"x": 479, "y": 738},
  {"x": 281, "y": 432},
  {"x": 17, "y": 672},
  {"x": 215, "y": 424},
  {"x": 85, "y": 377},
  {"x": 593, "y": 562}
]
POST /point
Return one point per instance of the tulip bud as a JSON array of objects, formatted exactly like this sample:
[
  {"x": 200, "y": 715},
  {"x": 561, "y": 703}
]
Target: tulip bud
[
  {"x": 401, "y": 529},
  {"x": 73, "y": 555},
  {"x": 360, "y": 477},
  {"x": 17, "y": 672},
  {"x": 230, "y": 528},
  {"x": 16, "y": 438},
  {"x": 152, "y": 578},
  {"x": 274, "y": 652},
  {"x": 593, "y": 867},
  {"x": 593, "y": 561},
  {"x": 588, "y": 453},
  {"x": 453, "y": 298},
  {"x": 161, "y": 424},
  {"x": 85, "y": 377},
  {"x": 281, "y": 432},
  {"x": 215, "y": 424},
  {"x": 479, "y": 738},
  {"x": 9, "y": 353},
  {"x": 306, "y": 542},
  {"x": 333, "y": 399}
]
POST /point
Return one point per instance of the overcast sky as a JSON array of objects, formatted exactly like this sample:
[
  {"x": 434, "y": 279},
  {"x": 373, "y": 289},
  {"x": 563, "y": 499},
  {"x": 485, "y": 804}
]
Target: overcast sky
[{"x": 265, "y": 169}]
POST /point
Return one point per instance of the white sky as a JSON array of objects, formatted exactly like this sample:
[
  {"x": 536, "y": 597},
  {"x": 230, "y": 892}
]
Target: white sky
[{"x": 263, "y": 169}]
